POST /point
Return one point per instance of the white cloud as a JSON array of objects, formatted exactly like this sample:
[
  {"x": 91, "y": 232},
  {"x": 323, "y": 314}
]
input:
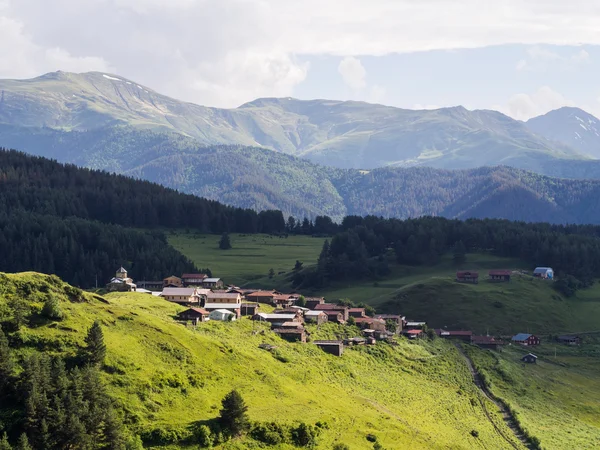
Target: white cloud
[
  {"x": 525, "y": 106},
  {"x": 353, "y": 72},
  {"x": 226, "y": 52},
  {"x": 540, "y": 58}
]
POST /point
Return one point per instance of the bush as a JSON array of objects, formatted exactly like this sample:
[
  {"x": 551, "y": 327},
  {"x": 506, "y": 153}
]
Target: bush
[
  {"x": 340, "y": 447},
  {"x": 204, "y": 436},
  {"x": 51, "y": 309},
  {"x": 270, "y": 433},
  {"x": 371, "y": 438},
  {"x": 475, "y": 433},
  {"x": 304, "y": 435}
]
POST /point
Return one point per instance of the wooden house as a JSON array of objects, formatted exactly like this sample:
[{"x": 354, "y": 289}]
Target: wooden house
[
  {"x": 455, "y": 334},
  {"x": 413, "y": 334},
  {"x": 283, "y": 300},
  {"x": 292, "y": 334},
  {"x": 412, "y": 325},
  {"x": 317, "y": 317},
  {"x": 500, "y": 276},
  {"x": 224, "y": 300},
  {"x": 357, "y": 312},
  {"x": 467, "y": 276},
  {"x": 265, "y": 297},
  {"x": 530, "y": 358},
  {"x": 172, "y": 282},
  {"x": 486, "y": 342},
  {"x": 181, "y": 296},
  {"x": 193, "y": 279},
  {"x": 194, "y": 315},
  {"x": 335, "y": 348},
  {"x": 396, "y": 318},
  {"x": 249, "y": 309},
  {"x": 331, "y": 307},
  {"x": 334, "y": 316},
  {"x": 311, "y": 302},
  {"x": 525, "y": 339},
  {"x": 569, "y": 340},
  {"x": 370, "y": 323},
  {"x": 277, "y": 320},
  {"x": 211, "y": 283},
  {"x": 150, "y": 285}
]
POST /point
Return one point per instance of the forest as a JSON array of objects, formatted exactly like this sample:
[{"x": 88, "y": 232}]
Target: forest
[{"x": 363, "y": 246}]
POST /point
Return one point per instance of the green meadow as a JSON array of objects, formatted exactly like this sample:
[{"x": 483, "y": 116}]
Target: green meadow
[
  {"x": 251, "y": 257},
  {"x": 167, "y": 377},
  {"x": 557, "y": 399}
]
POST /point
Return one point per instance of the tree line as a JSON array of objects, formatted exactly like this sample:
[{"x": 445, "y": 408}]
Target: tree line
[{"x": 363, "y": 247}]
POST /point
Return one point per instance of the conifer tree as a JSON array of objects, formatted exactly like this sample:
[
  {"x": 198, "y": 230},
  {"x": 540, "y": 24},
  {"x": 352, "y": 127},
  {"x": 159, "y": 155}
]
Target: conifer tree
[
  {"x": 234, "y": 415},
  {"x": 6, "y": 362},
  {"x": 225, "y": 242},
  {"x": 23, "y": 443},
  {"x": 460, "y": 252},
  {"x": 4, "y": 444},
  {"x": 96, "y": 349}
]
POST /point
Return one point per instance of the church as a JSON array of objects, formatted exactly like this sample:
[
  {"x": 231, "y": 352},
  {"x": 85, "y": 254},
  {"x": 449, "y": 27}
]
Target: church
[{"x": 121, "y": 282}]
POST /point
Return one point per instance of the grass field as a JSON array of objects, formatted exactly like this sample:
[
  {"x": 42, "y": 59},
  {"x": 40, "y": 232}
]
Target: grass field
[
  {"x": 557, "y": 399},
  {"x": 251, "y": 257},
  {"x": 168, "y": 376}
]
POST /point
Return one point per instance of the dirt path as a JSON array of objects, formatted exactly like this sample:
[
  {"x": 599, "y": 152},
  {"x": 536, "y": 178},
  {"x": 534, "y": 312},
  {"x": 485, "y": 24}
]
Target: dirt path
[{"x": 506, "y": 415}]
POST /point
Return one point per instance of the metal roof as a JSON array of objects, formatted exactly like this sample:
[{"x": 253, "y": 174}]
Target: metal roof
[
  {"x": 222, "y": 306},
  {"x": 222, "y": 295},
  {"x": 179, "y": 291},
  {"x": 211, "y": 280},
  {"x": 542, "y": 269},
  {"x": 521, "y": 337}
]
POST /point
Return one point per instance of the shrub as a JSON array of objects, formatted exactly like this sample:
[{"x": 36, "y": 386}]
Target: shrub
[
  {"x": 475, "y": 433},
  {"x": 204, "y": 436},
  {"x": 304, "y": 435},
  {"x": 270, "y": 433},
  {"x": 340, "y": 447},
  {"x": 371, "y": 438},
  {"x": 51, "y": 309}
]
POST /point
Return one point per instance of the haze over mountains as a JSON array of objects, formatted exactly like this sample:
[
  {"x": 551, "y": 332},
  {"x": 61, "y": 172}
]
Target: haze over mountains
[{"x": 107, "y": 122}]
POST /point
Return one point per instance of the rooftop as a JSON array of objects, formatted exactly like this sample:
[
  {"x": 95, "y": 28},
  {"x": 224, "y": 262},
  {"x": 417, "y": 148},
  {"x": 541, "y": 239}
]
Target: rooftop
[
  {"x": 222, "y": 295},
  {"x": 521, "y": 337},
  {"x": 222, "y": 306},
  {"x": 197, "y": 310},
  {"x": 194, "y": 275},
  {"x": 211, "y": 280},
  {"x": 178, "y": 291}
]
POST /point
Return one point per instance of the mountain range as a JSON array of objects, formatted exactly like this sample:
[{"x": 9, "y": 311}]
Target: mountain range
[{"x": 316, "y": 157}]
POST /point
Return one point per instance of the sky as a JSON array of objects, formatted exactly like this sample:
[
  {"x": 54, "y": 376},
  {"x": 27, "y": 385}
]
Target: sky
[{"x": 521, "y": 57}]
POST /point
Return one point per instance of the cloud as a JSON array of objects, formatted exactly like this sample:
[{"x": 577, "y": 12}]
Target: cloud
[
  {"x": 226, "y": 52},
  {"x": 526, "y": 106},
  {"x": 353, "y": 72},
  {"x": 541, "y": 58}
]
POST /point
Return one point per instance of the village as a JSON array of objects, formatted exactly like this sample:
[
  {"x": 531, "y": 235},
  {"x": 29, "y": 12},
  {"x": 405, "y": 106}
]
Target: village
[{"x": 207, "y": 298}]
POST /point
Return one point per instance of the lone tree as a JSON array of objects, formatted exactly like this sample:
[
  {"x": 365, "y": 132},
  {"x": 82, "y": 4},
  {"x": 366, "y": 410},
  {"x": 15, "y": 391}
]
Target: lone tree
[
  {"x": 234, "y": 415},
  {"x": 460, "y": 252},
  {"x": 96, "y": 349},
  {"x": 271, "y": 273},
  {"x": 225, "y": 243},
  {"x": 298, "y": 265}
]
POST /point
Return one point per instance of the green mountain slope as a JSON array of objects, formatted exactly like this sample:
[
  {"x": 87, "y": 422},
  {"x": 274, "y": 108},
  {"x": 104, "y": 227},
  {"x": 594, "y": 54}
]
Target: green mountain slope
[
  {"x": 260, "y": 179},
  {"x": 333, "y": 133},
  {"x": 166, "y": 378}
]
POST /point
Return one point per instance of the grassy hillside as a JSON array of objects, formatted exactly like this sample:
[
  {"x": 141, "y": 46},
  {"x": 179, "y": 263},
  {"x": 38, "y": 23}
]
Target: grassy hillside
[
  {"x": 167, "y": 377},
  {"x": 248, "y": 262},
  {"x": 557, "y": 399}
]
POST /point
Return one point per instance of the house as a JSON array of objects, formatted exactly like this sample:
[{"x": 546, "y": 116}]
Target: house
[
  {"x": 223, "y": 297},
  {"x": 249, "y": 309},
  {"x": 181, "y": 295},
  {"x": 150, "y": 285},
  {"x": 525, "y": 339},
  {"x": 530, "y": 358},
  {"x": 193, "y": 279},
  {"x": 212, "y": 283},
  {"x": 335, "y": 348},
  {"x": 173, "y": 282},
  {"x": 466, "y": 276},
  {"x": 355, "y": 341},
  {"x": 569, "y": 340},
  {"x": 396, "y": 318},
  {"x": 283, "y": 300},
  {"x": 357, "y": 312},
  {"x": 500, "y": 275},
  {"x": 291, "y": 334},
  {"x": 265, "y": 297},
  {"x": 460, "y": 335},
  {"x": 413, "y": 334},
  {"x": 311, "y": 302},
  {"x": 544, "y": 272},
  {"x": 276, "y": 320},
  {"x": 370, "y": 323},
  {"x": 195, "y": 315},
  {"x": 317, "y": 317},
  {"x": 121, "y": 282},
  {"x": 143, "y": 291},
  {"x": 486, "y": 342},
  {"x": 414, "y": 325},
  {"x": 331, "y": 307},
  {"x": 223, "y": 315},
  {"x": 334, "y": 316}
]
